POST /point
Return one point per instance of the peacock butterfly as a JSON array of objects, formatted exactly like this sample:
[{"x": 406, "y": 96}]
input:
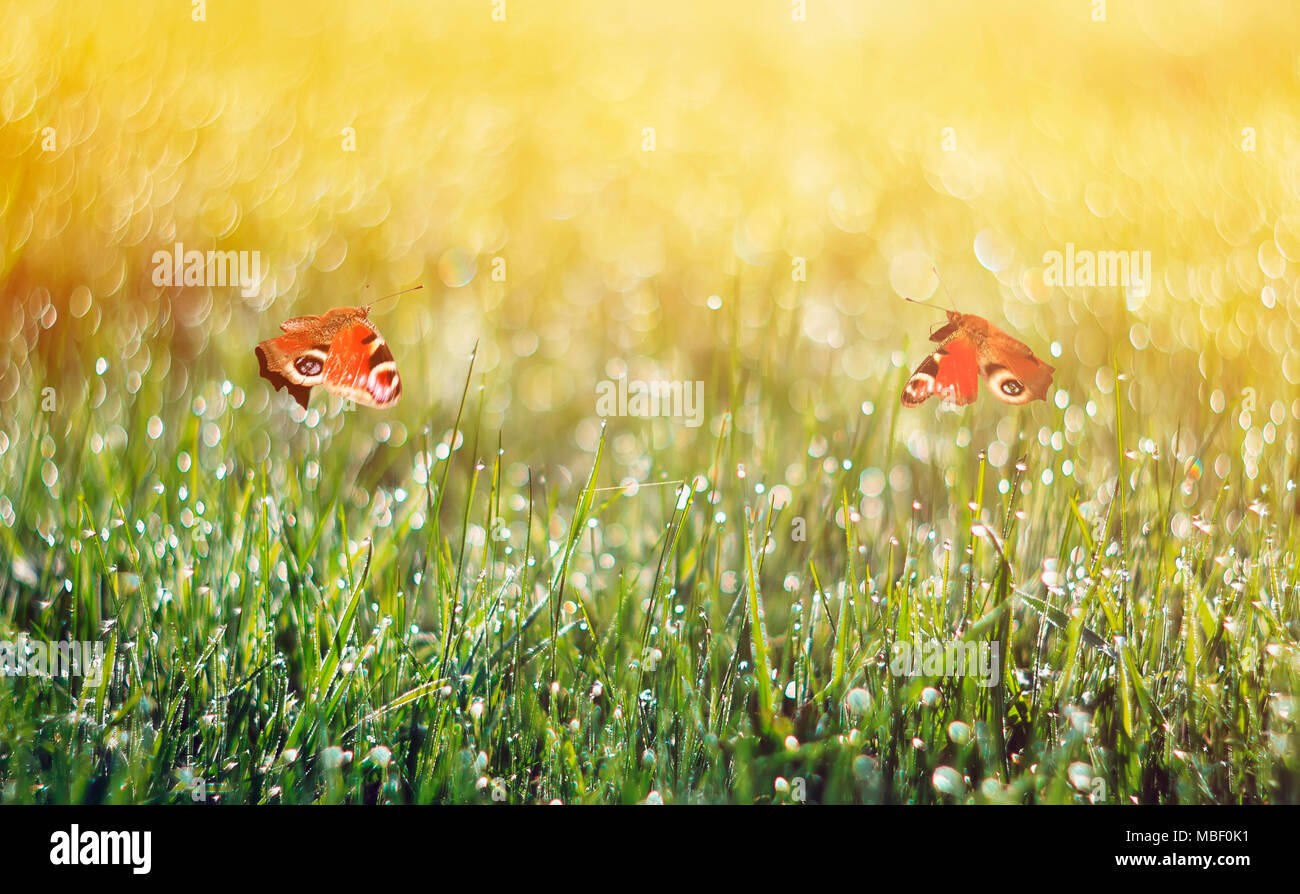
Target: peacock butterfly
[
  {"x": 970, "y": 346},
  {"x": 340, "y": 350}
]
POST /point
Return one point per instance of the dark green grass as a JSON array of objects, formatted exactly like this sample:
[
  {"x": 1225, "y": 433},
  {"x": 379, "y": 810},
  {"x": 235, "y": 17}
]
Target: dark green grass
[{"x": 345, "y": 620}]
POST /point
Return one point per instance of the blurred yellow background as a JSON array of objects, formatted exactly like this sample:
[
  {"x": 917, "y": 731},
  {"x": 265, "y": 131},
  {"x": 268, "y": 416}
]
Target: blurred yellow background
[{"x": 644, "y": 178}]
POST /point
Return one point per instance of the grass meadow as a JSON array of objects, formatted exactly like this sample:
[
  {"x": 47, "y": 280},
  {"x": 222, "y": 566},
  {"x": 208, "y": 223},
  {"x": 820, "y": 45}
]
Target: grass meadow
[{"x": 493, "y": 593}]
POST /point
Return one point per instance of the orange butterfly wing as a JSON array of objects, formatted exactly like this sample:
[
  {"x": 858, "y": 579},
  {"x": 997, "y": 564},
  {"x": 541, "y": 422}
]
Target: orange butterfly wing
[
  {"x": 958, "y": 374},
  {"x": 1013, "y": 373},
  {"x": 972, "y": 347},
  {"x": 952, "y": 372},
  {"x": 294, "y": 362},
  {"x": 360, "y": 367}
]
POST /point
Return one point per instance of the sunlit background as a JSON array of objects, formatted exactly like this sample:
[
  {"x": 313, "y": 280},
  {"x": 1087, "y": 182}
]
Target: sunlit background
[{"x": 646, "y": 180}]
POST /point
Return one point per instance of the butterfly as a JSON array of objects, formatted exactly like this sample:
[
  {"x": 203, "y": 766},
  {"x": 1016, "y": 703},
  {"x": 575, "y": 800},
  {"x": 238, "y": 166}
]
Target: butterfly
[
  {"x": 969, "y": 347},
  {"x": 340, "y": 350}
]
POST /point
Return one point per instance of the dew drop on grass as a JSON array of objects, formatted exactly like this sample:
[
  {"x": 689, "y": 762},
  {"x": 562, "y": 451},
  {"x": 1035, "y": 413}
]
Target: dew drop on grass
[
  {"x": 949, "y": 781},
  {"x": 958, "y": 732},
  {"x": 857, "y": 701},
  {"x": 332, "y": 757},
  {"x": 1051, "y": 574},
  {"x": 1081, "y": 776}
]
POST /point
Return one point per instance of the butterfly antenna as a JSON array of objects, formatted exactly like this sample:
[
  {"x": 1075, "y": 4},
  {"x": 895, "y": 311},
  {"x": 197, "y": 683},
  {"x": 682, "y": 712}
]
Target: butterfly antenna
[
  {"x": 935, "y": 270},
  {"x": 394, "y": 295},
  {"x": 927, "y": 303}
]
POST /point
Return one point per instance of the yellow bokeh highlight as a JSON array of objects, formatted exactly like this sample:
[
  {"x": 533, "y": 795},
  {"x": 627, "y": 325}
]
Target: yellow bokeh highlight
[{"x": 587, "y": 183}]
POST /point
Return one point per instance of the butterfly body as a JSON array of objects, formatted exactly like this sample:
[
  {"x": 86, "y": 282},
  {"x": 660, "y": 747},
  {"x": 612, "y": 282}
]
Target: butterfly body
[
  {"x": 969, "y": 347},
  {"x": 339, "y": 350}
]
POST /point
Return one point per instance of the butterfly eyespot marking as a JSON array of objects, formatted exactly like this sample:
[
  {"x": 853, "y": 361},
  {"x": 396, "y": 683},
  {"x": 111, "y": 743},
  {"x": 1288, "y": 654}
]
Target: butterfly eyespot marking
[
  {"x": 380, "y": 356},
  {"x": 970, "y": 347},
  {"x": 385, "y": 380},
  {"x": 338, "y": 351},
  {"x": 1008, "y": 387},
  {"x": 308, "y": 365}
]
